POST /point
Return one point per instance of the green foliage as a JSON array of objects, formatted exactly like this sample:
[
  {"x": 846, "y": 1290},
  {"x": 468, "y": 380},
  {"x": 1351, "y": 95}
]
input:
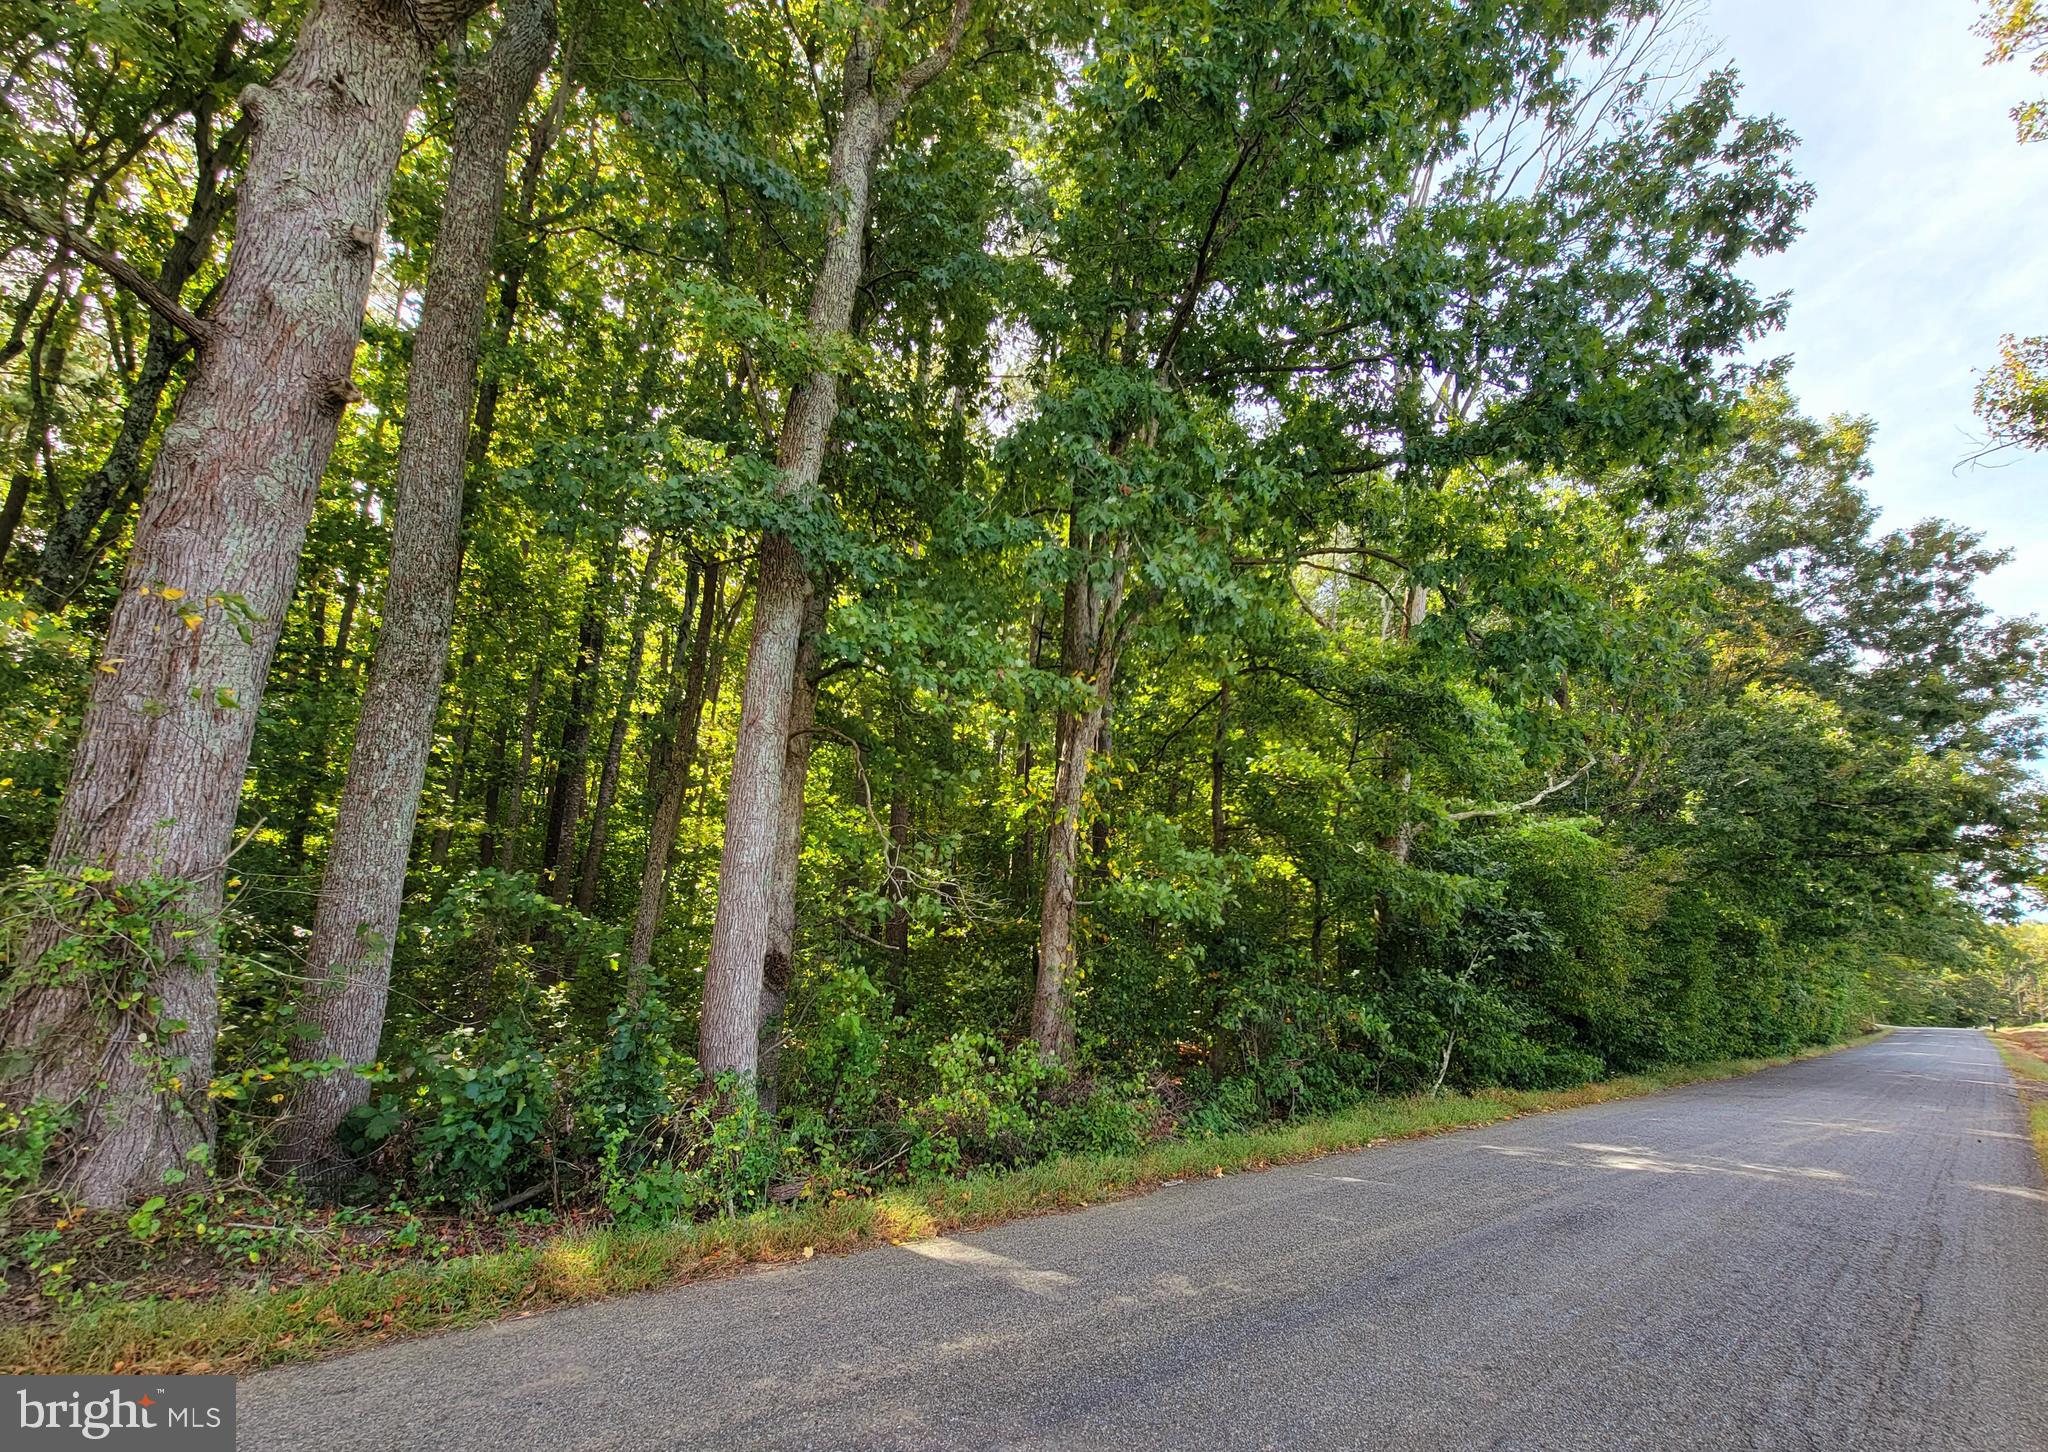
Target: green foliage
[
  {"x": 26, "y": 1134},
  {"x": 1503, "y": 684},
  {"x": 474, "y": 1111}
]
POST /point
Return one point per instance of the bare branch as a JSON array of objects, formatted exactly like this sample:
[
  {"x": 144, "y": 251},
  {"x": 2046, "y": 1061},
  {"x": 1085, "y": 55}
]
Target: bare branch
[
  {"x": 1550, "y": 791},
  {"x": 928, "y": 70},
  {"x": 125, "y": 273}
]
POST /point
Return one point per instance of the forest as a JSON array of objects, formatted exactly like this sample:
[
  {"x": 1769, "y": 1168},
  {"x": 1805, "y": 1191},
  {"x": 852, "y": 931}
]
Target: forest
[{"x": 660, "y": 610}]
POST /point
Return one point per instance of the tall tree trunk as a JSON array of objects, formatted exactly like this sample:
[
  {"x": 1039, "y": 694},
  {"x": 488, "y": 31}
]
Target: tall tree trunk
[
  {"x": 615, "y": 745},
  {"x": 728, "y": 1036},
  {"x": 778, "y": 967},
  {"x": 512, "y": 276},
  {"x": 522, "y": 774},
  {"x": 46, "y": 357},
  {"x": 444, "y": 828},
  {"x": 1089, "y": 649},
  {"x": 70, "y": 549},
  {"x": 355, "y": 922},
  {"x": 1400, "y": 842},
  {"x": 896, "y": 932},
  {"x": 675, "y": 781},
  {"x": 157, "y": 774},
  {"x": 1219, "y": 828},
  {"x": 572, "y": 760},
  {"x": 487, "y": 841}
]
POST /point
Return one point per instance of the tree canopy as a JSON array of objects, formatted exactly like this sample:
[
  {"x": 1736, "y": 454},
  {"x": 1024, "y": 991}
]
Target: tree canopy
[{"x": 755, "y": 598}]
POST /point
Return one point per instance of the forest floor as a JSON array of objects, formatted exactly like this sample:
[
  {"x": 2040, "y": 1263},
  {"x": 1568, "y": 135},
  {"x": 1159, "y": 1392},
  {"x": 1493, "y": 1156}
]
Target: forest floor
[{"x": 252, "y": 1290}]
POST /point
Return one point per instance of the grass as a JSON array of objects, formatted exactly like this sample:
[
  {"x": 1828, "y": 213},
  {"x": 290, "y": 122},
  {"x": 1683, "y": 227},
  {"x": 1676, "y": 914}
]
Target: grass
[
  {"x": 245, "y": 1330},
  {"x": 2023, "y": 1055}
]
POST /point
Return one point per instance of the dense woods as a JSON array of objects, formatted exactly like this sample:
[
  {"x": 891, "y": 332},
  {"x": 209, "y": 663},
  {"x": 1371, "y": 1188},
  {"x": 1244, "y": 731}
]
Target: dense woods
[{"x": 679, "y": 606}]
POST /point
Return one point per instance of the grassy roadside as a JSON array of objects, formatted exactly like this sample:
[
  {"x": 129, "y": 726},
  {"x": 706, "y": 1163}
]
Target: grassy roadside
[
  {"x": 245, "y": 1330},
  {"x": 2026, "y": 1053}
]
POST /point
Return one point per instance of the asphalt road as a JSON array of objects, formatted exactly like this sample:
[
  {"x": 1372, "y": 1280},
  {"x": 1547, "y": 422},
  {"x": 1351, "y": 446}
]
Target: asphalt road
[{"x": 1850, "y": 1252}]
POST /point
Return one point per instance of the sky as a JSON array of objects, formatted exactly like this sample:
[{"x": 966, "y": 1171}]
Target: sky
[{"x": 1927, "y": 242}]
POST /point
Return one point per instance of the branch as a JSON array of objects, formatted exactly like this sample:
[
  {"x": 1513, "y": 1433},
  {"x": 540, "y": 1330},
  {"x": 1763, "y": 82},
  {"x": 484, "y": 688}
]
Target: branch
[
  {"x": 1550, "y": 791},
  {"x": 927, "y": 70},
  {"x": 126, "y": 273}
]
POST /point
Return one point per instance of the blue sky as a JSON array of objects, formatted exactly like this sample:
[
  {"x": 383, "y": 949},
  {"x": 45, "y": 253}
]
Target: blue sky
[{"x": 1928, "y": 241}]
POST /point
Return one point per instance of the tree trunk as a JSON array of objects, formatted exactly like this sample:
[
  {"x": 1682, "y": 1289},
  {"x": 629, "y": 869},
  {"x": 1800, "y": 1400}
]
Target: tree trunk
[
  {"x": 728, "y": 1037},
  {"x": 778, "y": 967},
  {"x": 896, "y": 932},
  {"x": 487, "y": 842},
  {"x": 522, "y": 774},
  {"x": 1088, "y": 655},
  {"x": 355, "y": 923},
  {"x": 444, "y": 829},
  {"x": 615, "y": 745},
  {"x": 46, "y": 360},
  {"x": 675, "y": 782},
  {"x": 1400, "y": 842},
  {"x": 512, "y": 276},
  {"x": 729, "y": 1029},
  {"x": 1219, "y": 829},
  {"x": 572, "y": 760},
  {"x": 157, "y": 774}
]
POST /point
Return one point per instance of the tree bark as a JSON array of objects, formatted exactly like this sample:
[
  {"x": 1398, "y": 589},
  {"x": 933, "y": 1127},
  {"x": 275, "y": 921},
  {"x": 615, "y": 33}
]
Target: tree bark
[
  {"x": 778, "y": 967},
  {"x": 1400, "y": 842},
  {"x": 355, "y": 923},
  {"x": 1089, "y": 650},
  {"x": 156, "y": 777},
  {"x": 728, "y": 1038},
  {"x": 615, "y": 745},
  {"x": 675, "y": 782}
]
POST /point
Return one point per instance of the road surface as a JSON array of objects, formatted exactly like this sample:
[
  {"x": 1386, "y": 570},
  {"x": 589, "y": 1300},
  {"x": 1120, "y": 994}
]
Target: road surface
[{"x": 1850, "y": 1252}]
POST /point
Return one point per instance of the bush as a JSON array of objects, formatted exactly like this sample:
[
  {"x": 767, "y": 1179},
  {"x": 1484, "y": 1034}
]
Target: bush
[
  {"x": 988, "y": 1108},
  {"x": 475, "y": 1114},
  {"x": 721, "y": 1155}
]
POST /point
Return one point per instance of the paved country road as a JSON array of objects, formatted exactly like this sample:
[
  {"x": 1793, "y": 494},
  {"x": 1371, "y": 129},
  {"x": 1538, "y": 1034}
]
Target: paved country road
[{"x": 1850, "y": 1252}]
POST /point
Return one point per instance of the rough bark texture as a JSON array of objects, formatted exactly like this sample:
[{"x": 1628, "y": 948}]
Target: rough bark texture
[
  {"x": 729, "y": 1030},
  {"x": 615, "y": 744},
  {"x": 675, "y": 782},
  {"x": 778, "y": 966},
  {"x": 356, "y": 920},
  {"x": 157, "y": 773},
  {"x": 728, "y": 1037},
  {"x": 1088, "y": 655}
]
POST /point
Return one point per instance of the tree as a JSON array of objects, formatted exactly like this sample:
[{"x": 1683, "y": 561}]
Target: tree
[
  {"x": 356, "y": 921},
  {"x": 158, "y": 767},
  {"x": 730, "y": 1024}
]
